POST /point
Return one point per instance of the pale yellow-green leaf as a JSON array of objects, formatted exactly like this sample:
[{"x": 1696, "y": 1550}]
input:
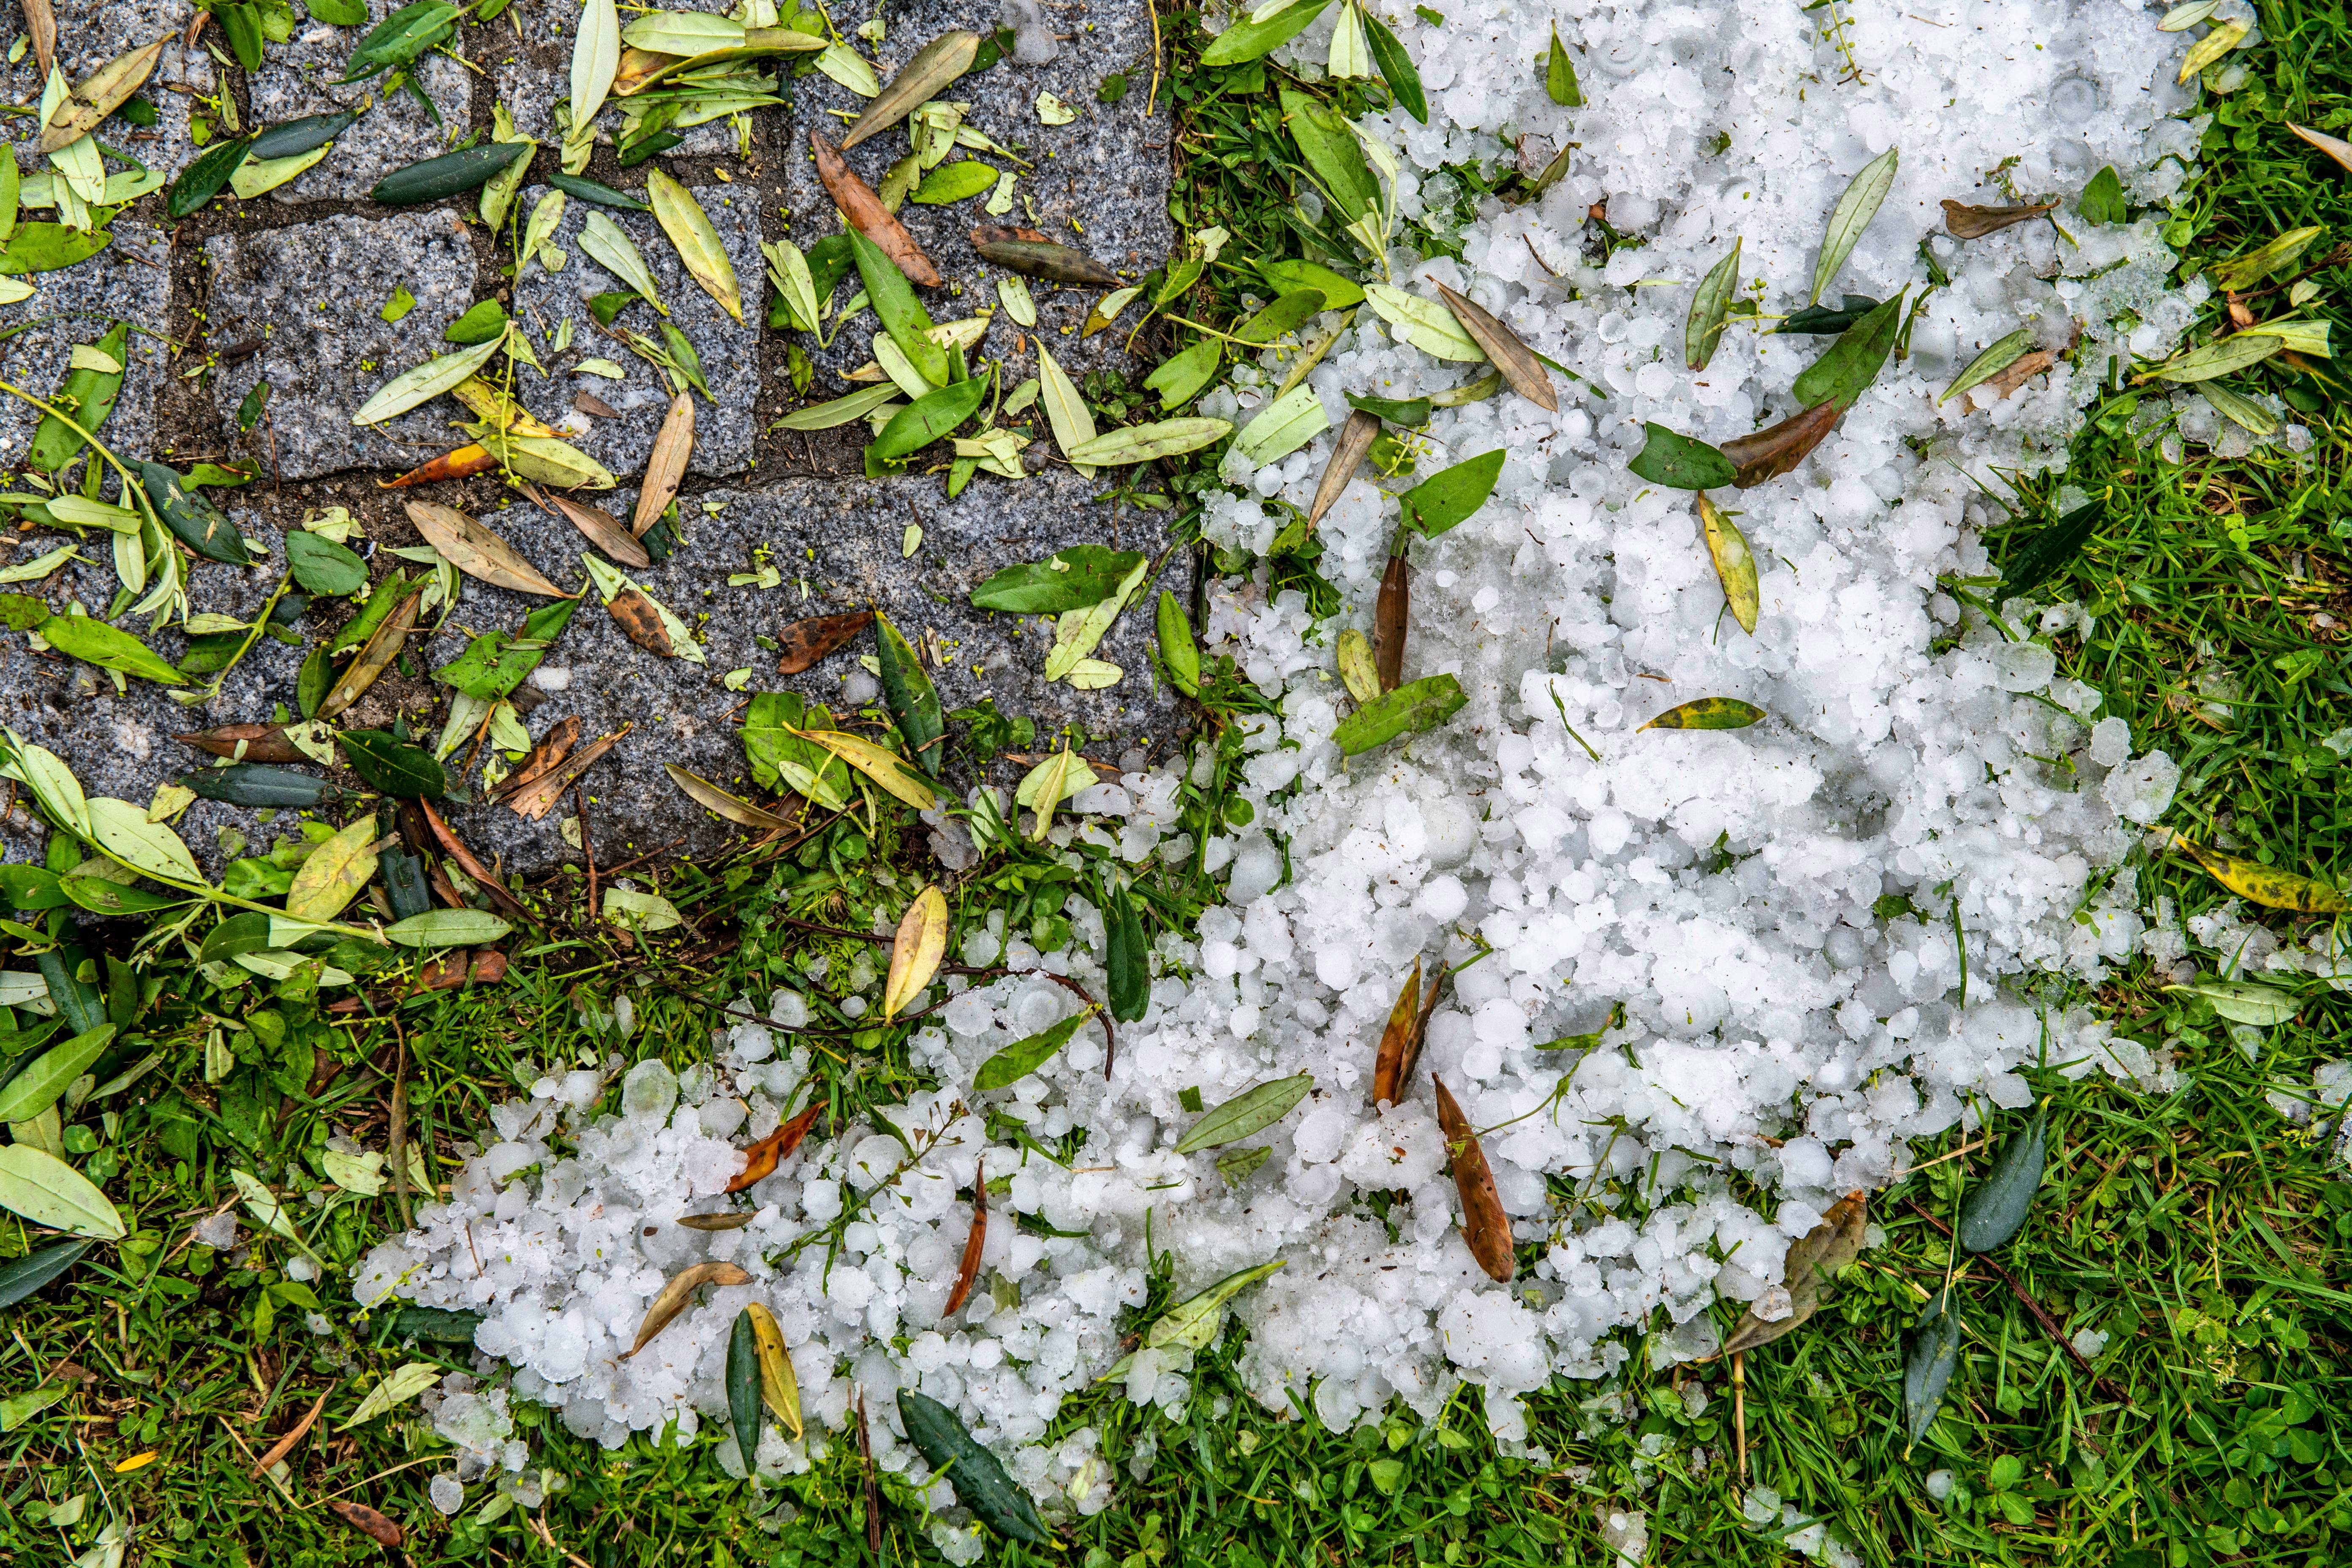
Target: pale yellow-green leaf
[
  {"x": 848, "y": 66},
  {"x": 1142, "y": 442},
  {"x": 334, "y": 873},
  {"x": 1065, "y": 411},
  {"x": 1077, "y": 633},
  {"x": 688, "y": 228},
  {"x": 258, "y": 176},
  {"x": 914, "y": 953},
  {"x": 46, "y": 1191},
  {"x": 595, "y": 57},
  {"x": 411, "y": 1380},
  {"x": 2209, "y": 49},
  {"x": 1284, "y": 425},
  {"x": 608, "y": 245},
  {"x": 426, "y": 381},
  {"x": 1426, "y": 324},
  {"x": 123, "y": 830}
]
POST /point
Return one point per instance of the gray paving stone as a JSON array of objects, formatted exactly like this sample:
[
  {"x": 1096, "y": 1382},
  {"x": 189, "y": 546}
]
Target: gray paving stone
[
  {"x": 302, "y": 76},
  {"x": 313, "y": 293},
  {"x": 115, "y": 284},
  {"x": 1099, "y": 183},
  {"x": 727, "y": 425}
]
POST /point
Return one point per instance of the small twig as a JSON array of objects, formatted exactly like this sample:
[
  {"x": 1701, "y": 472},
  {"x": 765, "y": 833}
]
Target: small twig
[
  {"x": 538, "y": 1522},
  {"x": 2041, "y": 1314},
  {"x": 1740, "y": 1408},
  {"x": 587, "y": 848},
  {"x": 397, "y": 1146}
]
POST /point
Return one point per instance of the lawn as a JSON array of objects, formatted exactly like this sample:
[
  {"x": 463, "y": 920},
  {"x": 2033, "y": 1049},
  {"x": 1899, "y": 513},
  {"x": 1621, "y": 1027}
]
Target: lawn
[{"x": 2153, "y": 1372}]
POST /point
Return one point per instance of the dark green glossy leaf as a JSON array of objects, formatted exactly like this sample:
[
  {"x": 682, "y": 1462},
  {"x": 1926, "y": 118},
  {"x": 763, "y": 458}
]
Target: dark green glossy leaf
[
  {"x": 1996, "y": 1208},
  {"x": 1852, "y": 361},
  {"x": 400, "y": 37},
  {"x": 743, "y": 1388},
  {"x": 323, "y": 567},
  {"x": 1127, "y": 961},
  {"x": 1710, "y": 308},
  {"x": 906, "y": 688},
  {"x": 1410, "y": 412},
  {"x": 1560, "y": 75},
  {"x": 103, "y": 897},
  {"x": 1708, "y": 713},
  {"x": 928, "y": 418},
  {"x": 316, "y": 678},
  {"x": 483, "y": 320},
  {"x": 1821, "y": 322},
  {"x": 393, "y": 767},
  {"x": 1329, "y": 146},
  {"x": 29, "y": 888},
  {"x": 900, "y": 312},
  {"x": 1180, "y": 655},
  {"x": 1396, "y": 66},
  {"x": 438, "y": 1324},
  {"x": 601, "y": 195},
  {"x": 494, "y": 664},
  {"x": 1068, "y": 579},
  {"x": 1022, "y": 1057},
  {"x": 88, "y": 397},
  {"x": 1681, "y": 462},
  {"x": 77, "y": 999},
  {"x": 295, "y": 137},
  {"x": 2049, "y": 548},
  {"x": 1410, "y": 708},
  {"x": 1930, "y": 1352},
  {"x": 1284, "y": 277},
  {"x": 201, "y": 181},
  {"x": 608, "y": 305},
  {"x": 981, "y": 1482},
  {"x": 451, "y": 174},
  {"x": 193, "y": 519},
  {"x": 387, "y": 598},
  {"x": 1250, "y": 40},
  {"x": 247, "y": 933},
  {"x": 242, "y": 24},
  {"x": 27, "y": 1275},
  {"x": 260, "y": 784},
  {"x": 1451, "y": 496}
]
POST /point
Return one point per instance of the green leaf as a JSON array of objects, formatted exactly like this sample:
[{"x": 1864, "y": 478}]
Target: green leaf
[
  {"x": 1126, "y": 959},
  {"x": 40, "y": 1085},
  {"x": 322, "y": 566},
  {"x": 437, "y": 1324},
  {"x": 47, "y": 1191},
  {"x": 928, "y": 418},
  {"x": 1708, "y": 713},
  {"x": 1286, "y": 314},
  {"x": 2032, "y": 562},
  {"x": 1410, "y": 708},
  {"x": 1193, "y": 1322},
  {"x": 901, "y": 313},
  {"x": 1142, "y": 442},
  {"x": 1329, "y": 146},
  {"x": 608, "y": 245},
  {"x": 450, "y": 175},
  {"x": 1411, "y": 413},
  {"x": 1250, "y": 40},
  {"x": 1995, "y": 359},
  {"x": 2243, "y": 272},
  {"x": 1852, "y": 216},
  {"x": 193, "y": 519},
  {"x": 1823, "y": 322},
  {"x": 101, "y": 897},
  {"x": 1451, "y": 495},
  {"x": 199, "y": 183},
  {"x": 1180, "y": 655},
  {"x": 1931, "y": 1352},
  {"x": 293, "y": 138},
  {"x": 420, "y": 384},
  {"x": 1852, "y": 361},
  {"x": 2240, "y": 351},
  {"x": 2261, "y": 1005},
  {"x": 91, "y": 640},
  {"x": 954, "y": 183},
  {"x": 1427, "y": 326},
  {"x": 1284, "y": 425},
  {"x": 27, "y": 1275},
  {"x": 1234, "y": 1165},
  {"x": 1681, "y": 462},
  {"x": 88, "y": 396},
  {"x": 981, "y": 1482},
  {"x": 1396, "y": 66},
  {"x": 744, "y": 1389},
  {"x": 906, "y": 688},
  {"x": 1711, "y": 307},
  {"x": 1022, "y": 1057},
  {"x": 1251, "y": 1111},
  {"x": 393, "y": 767},
  {"x": 485, "y": 320},
  {"x": 1286, "y": 277},
  {"x": 1996, "y": 1208},
  {"x": 123, "y": 830},
  {"x": 840, "y": 411},
  {"x": 448, "y": 928},
  {"x": 2103, "y": 198},
  {"x": 1183, "y": 377},
  {"x": 260, "y": 784},
  {"x": 77, "y": 999},
  {"x": 1560, "y": 75},
  {"x": 400, "y": 37}
]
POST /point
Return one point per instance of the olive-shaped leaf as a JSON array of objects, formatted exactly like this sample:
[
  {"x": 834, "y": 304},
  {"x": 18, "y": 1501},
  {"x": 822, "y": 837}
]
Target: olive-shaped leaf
[
  {"x": 1930, "y": 1352},
  {"x": 1996, "y": 1210}
]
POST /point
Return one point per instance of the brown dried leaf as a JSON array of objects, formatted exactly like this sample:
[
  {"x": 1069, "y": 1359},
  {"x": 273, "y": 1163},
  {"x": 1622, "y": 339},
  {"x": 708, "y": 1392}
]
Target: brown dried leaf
[
  {"x": 463, "y": 463},
  {"x": 1965, "y": 222},
  {"x": 760, "y": 1159},
  {"x": 680, "y": 1290},
  {"x": 640, "y": 622},
  {"x": 451, "y": 846},
  {"x": 366, "y": 1521},
  {"x": 1356, "y": 437},
  {"x": 806, "y": 642},
  {"x": 477, "y": 551},
  {"x": 1031, "y": 253},
  {"x": 536, "y": 799},
  {"x": 1814, "y": 1259},
  {"x": 285, "y": 1445},
  {"x": 1512, "y": 358},
  {"x": 589, "y": 403},
  {"x": 865, "y": 213},
  {"x": 375, "y": 657},
  {"x": 997, "y": 233},
  {"x": 552, "y": 748},
  {"x": 1396, "y": 1041},
  {"x": 636, "y": 66},
  {"x": 262, "y": 742},
  {"x": 969, "y": 1269},
  {"x": 1485, "y": 1226},
  {"x": 1390, "y": 614},
  {"x": 735, "y": 1220},
  {"x": 1768, "y": 454},
  {"x": 2023, "y": 369},
  {"x": 604, "y": 531},
  {"x": 666, "y": 466},
  {"x": 448, "y": 972},
  {"x": 718, "y": 802},
  {"x": 2334, "y": 147},
  {"x": 41, "y": 23}
]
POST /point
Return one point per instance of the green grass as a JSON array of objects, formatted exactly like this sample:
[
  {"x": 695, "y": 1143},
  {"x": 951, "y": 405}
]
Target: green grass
[{"x": 2205, "y": 1233}]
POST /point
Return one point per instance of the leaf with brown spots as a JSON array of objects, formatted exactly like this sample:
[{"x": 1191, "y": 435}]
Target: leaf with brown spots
[
  {"x": 760, "y": 1159},
  {"x": 1512, "y": 358},
  {"x": 463, "y": 463},
  {"x": 679, "y": 1291},
  {"x": 973, "y": 1242},
  {"x": 1390, "y": 614},
  {"x": 2023, "y": 369},
  {"x": 544, "y": 757},
  {"x": 604, "y": 531},
  {"x": 869, "y": 217},
  {"x": 736, "y": 1220},
  {"x": 806, "y": 642},
  {"x": 640, "y": 622},
  {"x": 535, "y": 799},
  {"x": 1965, "y": 222},
  {"x": 1768, "y": 454},
  {"x": 366, "y": 1521},
  {"x": 1484, "y": 1227}
]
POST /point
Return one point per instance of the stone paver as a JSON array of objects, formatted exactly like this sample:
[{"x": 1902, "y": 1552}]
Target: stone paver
[
  {"x": 129, "y": 281},
  {"x": 302, "y": 76}
]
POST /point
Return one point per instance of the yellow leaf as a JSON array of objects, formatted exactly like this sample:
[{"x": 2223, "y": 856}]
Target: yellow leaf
[
  {"x": 1734, "y": 563},
  {"x": 678, "y": 1292},
  {"x": 2266, "y": 885},
  {"x": 915, "y": 956},
  {"x": 334, "y": 874},
  {"x": 688, "y": 228},
  {"x": 780, "y": 1386},
  {"x": 884, "y": 768}
]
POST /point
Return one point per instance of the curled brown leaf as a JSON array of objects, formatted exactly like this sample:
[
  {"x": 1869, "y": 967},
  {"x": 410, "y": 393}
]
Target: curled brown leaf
[
  {"x": 680, "y": 1290},
  {"x": 806, "y": 642},
  {"x": 1485, "y": 1226},
  {"x": 1356, "y": 437},
  {"x": 285, "y": 1445},
  {"x": 973, "y": 1243},
  {"x": 1768, "y": 454},
  {"x": 640, "y": 622},
  {"x": 1512, "y": 358},
  {"x": 867, "y": 215},
  {"x": 454, "y": 847},
  {"x": 1389, "y": 616},
  {"x": 535, "y": 799},
  {"x": 366, "y": 1521},
  {"x": 603, "y": 530},
  {"x": 463, "y": 463},
  {"x": 761, "y": 1158},
  {"x": 1965, "y": 222},
  {"x": 667, "y": 467},
  {"x": 1388, "y": 1067}
]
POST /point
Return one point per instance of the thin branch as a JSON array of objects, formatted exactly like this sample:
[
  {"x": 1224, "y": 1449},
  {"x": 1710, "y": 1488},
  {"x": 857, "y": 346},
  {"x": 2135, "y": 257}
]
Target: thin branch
[{"x": 2041, "y": 1314}]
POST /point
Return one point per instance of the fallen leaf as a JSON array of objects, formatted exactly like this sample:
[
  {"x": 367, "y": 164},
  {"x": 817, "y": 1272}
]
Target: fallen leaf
[
  {"x": 914, "y": 953},
  {"x": 1357, "y": 671},
  {"x": 1485, "y": 1226},
  {"x": 1512, "y": 358},
  {"x": 396, "y": 1390},
  {"x": 1390, "y": 613},
  {"x": 550, "y": 751},
  {"x": 865, "y": 213},
  {"x": 456, "y": 849},
  {"x": 2023, "y": 369},
  {"x": 603, "y": 530},
  {"x": 1356, "y": 437},
  {"x": 2334, "y": 147},
  {"x": 245, "y": 743},
  {"x": 375, "y": 657},
  {"x": 1734, "y": 563},
  {"x": 933, "y": 67},
  {"x": 666, "y": 466},
  {"x": 2266, "y": 885},
  {"x": 718, "y": 802},
  {"x": 589, "y": 403},
  {"x": 477, "y": 551},
  {"x": 1030, "y": 255},
  {"x": 780, "y": 1387},
  {"x": 1769, "y": 453},
  {"x": 735, "y": 1220},
  {"x": 285, "y": 1445},
  {"x": 640, "y": 622},
  {"x": 974, "y": 1241},
  {"x": 1393, "y": 1064},
  {"x": 535, "y": 800},
  {"x": 807, "y": 641},
  {"x": 885, "y": 768},
  {"x": 1708, "y": 713},
  {"x": 366, "y": 1521},
  {"x": 1965, "y": 222},
  {"x": 698, "y": 246},
  {"x": 675, "y": 1296},
  {"x": 1812, "y": 1260},
  {"x": 761, "y": 1158}
]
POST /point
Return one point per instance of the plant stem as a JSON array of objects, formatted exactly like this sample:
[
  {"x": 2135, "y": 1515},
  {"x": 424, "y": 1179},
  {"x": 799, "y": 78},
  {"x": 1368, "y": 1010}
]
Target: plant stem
[{"x": 131, "y": 484}]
